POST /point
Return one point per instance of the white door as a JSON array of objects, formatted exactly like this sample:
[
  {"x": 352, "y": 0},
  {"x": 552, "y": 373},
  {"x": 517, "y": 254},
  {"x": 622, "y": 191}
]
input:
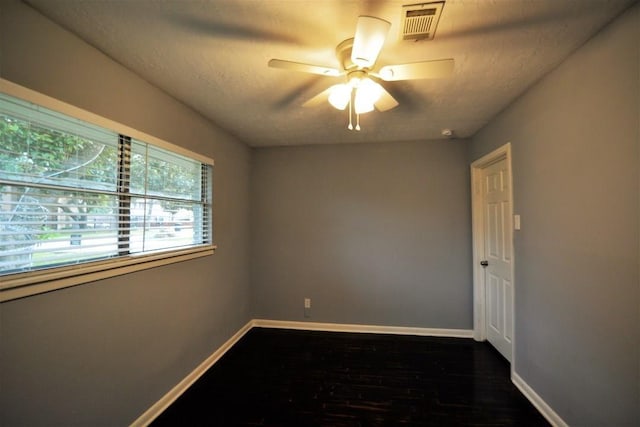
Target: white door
[{"x": 498, "y": 256}]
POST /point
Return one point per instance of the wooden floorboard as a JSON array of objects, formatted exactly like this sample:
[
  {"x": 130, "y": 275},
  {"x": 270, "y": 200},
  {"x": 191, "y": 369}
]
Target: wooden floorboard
[{"x": 277, "y": 377}]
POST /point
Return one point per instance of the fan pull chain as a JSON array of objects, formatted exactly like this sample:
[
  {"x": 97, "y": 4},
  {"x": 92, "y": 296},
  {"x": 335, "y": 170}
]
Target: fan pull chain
[
  {"x": 357, "y": 121},
  {"x": 350, "y": 127}
]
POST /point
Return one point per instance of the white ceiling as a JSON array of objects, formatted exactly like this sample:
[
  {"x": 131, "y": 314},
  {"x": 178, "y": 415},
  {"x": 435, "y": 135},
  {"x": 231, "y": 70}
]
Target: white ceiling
[{"x": 212, "y": 55}]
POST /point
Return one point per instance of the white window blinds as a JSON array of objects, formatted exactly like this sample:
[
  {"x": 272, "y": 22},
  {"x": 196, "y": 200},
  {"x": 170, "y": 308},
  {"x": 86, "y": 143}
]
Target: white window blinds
[{"x": 73, "y": 192}]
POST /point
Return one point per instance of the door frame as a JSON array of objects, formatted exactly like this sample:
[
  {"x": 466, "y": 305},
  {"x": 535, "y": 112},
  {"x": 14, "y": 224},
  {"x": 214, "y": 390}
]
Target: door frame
[{"x": 478, "y": 230}]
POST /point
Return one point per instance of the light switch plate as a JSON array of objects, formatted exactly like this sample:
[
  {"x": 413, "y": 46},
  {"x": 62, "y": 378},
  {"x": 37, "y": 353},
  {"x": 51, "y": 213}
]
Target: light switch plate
[{"x": 516, "y": 222}]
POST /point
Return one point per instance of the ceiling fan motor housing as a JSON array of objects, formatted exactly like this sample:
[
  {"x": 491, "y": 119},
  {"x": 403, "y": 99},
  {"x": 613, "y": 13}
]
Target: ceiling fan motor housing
[{"x": 343, "y": 53}]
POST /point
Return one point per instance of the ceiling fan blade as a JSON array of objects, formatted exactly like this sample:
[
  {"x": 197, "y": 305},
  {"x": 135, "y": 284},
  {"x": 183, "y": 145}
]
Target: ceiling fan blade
[
  {"x": 371, "y": 33},
  {"x": 417, "y": 70},
  {"x": 320, "y": 98},
  {"x": 304, "y": 68},
  {"x": 386, "y": 101}
]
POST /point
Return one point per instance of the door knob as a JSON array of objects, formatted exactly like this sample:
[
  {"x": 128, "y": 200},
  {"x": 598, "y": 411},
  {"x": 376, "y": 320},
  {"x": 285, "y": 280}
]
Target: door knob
[{"x": 484, "y": 263}]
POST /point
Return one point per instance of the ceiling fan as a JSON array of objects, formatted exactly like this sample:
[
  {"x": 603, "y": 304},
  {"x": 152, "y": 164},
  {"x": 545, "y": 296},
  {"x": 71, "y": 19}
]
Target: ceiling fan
[{"x": 362, "y": 91}]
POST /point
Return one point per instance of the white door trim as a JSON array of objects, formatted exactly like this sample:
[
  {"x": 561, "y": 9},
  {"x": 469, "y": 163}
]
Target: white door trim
[{"x": 479, "y": 303}]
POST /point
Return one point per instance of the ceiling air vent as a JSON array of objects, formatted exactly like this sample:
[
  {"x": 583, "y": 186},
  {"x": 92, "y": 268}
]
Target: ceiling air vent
[{"x": 419, "y": 21}]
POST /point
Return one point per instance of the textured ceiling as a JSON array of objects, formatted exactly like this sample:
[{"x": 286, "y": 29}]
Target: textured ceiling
[{"x": 212, "y": 55}]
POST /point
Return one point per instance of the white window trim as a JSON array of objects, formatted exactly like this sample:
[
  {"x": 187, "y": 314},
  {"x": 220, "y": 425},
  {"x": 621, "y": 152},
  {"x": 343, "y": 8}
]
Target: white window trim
[{"x": 20, "y": 285}]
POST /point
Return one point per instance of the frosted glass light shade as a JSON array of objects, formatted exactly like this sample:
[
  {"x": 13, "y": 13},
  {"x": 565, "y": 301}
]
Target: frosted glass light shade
[
  {"x": 339, "y": 96},
  {"x": 367, "y": 94}
]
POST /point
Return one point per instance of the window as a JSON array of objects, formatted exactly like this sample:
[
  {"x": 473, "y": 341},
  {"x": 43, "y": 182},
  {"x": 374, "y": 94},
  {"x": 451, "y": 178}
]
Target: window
[{"x": 74, "y": 193}]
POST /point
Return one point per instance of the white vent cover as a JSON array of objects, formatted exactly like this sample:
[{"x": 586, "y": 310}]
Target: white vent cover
[{"x": 419, "y": 21}]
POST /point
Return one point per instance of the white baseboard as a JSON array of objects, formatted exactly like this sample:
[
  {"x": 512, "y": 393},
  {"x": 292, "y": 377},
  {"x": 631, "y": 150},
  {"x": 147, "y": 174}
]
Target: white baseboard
[
  {"x": 154, "y": 411},
  {"x": 373, "y": 329},
  {"x": 538, "y": 402}
]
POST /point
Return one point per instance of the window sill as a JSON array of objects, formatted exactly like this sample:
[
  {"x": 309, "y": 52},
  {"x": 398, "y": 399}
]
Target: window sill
[{"x": 22, "y": 285}]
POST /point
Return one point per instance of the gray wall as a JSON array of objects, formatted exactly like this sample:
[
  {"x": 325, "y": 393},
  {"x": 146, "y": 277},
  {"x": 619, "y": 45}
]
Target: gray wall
[
  {"x": 373, "y": 233},
  {"x": 104, "y": 352},
  {"x": 575, "y": 140}
]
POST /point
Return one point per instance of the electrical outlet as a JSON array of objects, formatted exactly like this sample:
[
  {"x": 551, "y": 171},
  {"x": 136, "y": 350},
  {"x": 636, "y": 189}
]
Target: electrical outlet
[{"x": 307, "y": 307}]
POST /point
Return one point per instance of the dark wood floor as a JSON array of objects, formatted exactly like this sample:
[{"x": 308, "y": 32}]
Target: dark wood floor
[{"x": 275, "y": 377}]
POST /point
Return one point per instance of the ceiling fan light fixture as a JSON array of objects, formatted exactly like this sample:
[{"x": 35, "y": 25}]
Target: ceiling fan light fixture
[
  {"x": 367, "y": 94},
  {"x": 357, "y": 56},
  {"x": 371, "y": 33},
  {"x": 339, "y": 96},
  {"x": 354, "y": 82},
  {"x": 363, "y": 107}
]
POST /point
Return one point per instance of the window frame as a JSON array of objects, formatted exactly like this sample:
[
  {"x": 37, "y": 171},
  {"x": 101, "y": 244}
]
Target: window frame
[{"x": 23, "y": 284}]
